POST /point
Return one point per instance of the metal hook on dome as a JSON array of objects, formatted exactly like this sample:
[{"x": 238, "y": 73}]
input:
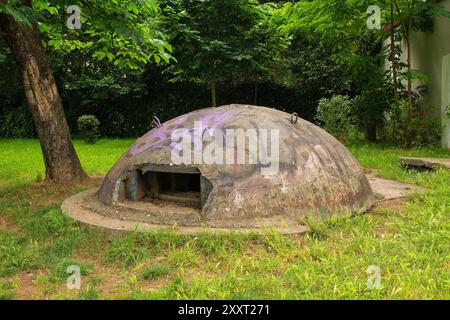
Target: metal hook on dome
[
  {"x": 294, "y": 118},
  {"x": 156, "y": 122}
]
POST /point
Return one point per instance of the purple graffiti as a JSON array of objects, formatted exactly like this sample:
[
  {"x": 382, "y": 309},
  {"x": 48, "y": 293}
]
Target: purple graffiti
[{"x": 160, "y": 137}]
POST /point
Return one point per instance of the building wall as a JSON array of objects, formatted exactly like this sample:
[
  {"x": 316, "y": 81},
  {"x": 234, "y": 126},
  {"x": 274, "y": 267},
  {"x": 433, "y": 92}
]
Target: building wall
[
  {"x": 445, "y": 102},
  {"x": 431, "y": 54}
]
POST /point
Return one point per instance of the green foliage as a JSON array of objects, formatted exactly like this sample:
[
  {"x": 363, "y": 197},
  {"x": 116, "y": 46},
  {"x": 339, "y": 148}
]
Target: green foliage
[
  {"x": 210, "y": 49},
  {"x": 369, "y": 111},
  {"x": 336, "y": 116},
  {"x": 88, "y": 126},
  {"x": 338, "y": 23},
  {"x": 447, "y": 112},
  {"x": 125, "y": 33},
  {"x": 373, "y": 114},
  {"x": 313, "y": 73},
  {"x": 16, "y": 123},
  {"x": 15, "y": 119},
  {"x": 426, "y": 125},
  {"x": 20, "y": 13}
]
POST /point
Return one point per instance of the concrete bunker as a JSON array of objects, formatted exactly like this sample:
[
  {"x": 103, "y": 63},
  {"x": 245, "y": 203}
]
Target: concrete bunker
[{"x": 314, "y": 173}]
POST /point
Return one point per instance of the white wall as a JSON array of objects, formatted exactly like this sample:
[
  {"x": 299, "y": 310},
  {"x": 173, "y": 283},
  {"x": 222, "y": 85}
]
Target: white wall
[
  {"x": 445, "y": 102},
  {"x": 427, "y": 54}
]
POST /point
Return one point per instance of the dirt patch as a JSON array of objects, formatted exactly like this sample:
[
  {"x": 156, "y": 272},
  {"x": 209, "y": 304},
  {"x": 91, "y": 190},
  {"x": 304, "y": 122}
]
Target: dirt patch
[
  {"x": 6, "y": 224},
  {"x": 36, "y": 285},
  {"x": 392, "y": 204},
  {"x": 26, "y": 286},
  {"x": 381, "y": 231},
  {"x": 110, "y": 277},
  {"x": 43, "y": 194}
]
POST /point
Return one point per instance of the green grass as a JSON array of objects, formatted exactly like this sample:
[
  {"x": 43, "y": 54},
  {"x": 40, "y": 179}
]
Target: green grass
[
  {"x": 7, "y": 290},
  {"x": 384, "y": 159},
  {"x": 155, "y": 271},
  {"x": 410, "y": 244},
  {"x": 21, "y": 160}
]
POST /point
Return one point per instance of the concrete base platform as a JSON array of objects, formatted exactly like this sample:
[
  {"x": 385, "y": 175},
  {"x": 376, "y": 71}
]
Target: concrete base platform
[
  {"x": 86, "y": 209},
  {"x": 77, "y": 209},
  {"x": 426, "y": 163}
]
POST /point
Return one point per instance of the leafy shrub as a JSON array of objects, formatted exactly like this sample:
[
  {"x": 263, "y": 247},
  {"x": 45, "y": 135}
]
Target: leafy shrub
[
  {"x": 88, "y": 126},
  {"x": 426, "y": 126},
  {"x": 336, "y": 116},
  {"x": 369, "y": 110},
  {"x": 16, "y": 122},
  {"x": 447, "y": 112}
]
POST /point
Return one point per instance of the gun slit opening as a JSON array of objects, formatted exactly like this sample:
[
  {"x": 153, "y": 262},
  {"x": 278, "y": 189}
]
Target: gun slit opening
[{"x": 184, "y": 186}]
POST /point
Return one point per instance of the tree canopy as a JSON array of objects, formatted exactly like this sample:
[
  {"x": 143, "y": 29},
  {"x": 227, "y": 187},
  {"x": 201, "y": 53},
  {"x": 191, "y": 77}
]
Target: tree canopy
[{"x": 126, "y": 32}]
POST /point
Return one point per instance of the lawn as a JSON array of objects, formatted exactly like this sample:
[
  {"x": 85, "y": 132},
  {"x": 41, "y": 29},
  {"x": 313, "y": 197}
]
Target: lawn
[
  {"x": 21, "y": 160},
  {"x": 409, "y": 241}
]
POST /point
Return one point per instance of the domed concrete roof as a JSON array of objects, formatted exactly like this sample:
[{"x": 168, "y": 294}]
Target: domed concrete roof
[{"x": 313, "y": 172}]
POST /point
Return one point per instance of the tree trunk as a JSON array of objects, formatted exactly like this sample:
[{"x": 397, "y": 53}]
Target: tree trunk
[
  {"x": 394, "y": 66},
  {"x": 255, "y": 96},
  {"x": 61, "y": 161},
  {"x": 371, "y": 133},
  {"x": 213, "y": 93},
  {"x": 409, "y": 129}
]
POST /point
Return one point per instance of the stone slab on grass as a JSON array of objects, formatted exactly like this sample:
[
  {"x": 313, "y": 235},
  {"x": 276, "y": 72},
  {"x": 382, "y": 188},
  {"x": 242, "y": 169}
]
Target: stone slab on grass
[
  {"x": 426, "y": 163},
  {"x": 386, "y": 189}
]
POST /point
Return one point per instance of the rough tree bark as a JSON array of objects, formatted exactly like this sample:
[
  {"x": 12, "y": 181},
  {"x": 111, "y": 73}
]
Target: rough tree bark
[
  {"x": 370, "y": 133},
  {"x": 213, "y": 93},
  {"x": 61, "y": 161},
  {"x": 255, "y": 93},
  {"x": 394, "y": 66}
]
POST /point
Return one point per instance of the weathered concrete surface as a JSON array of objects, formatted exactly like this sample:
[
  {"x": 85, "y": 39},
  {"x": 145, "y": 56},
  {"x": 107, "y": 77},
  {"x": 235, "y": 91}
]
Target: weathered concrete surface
[
  {"x": 427, "y": 163},
  {"x": 316, "y": 172}
]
